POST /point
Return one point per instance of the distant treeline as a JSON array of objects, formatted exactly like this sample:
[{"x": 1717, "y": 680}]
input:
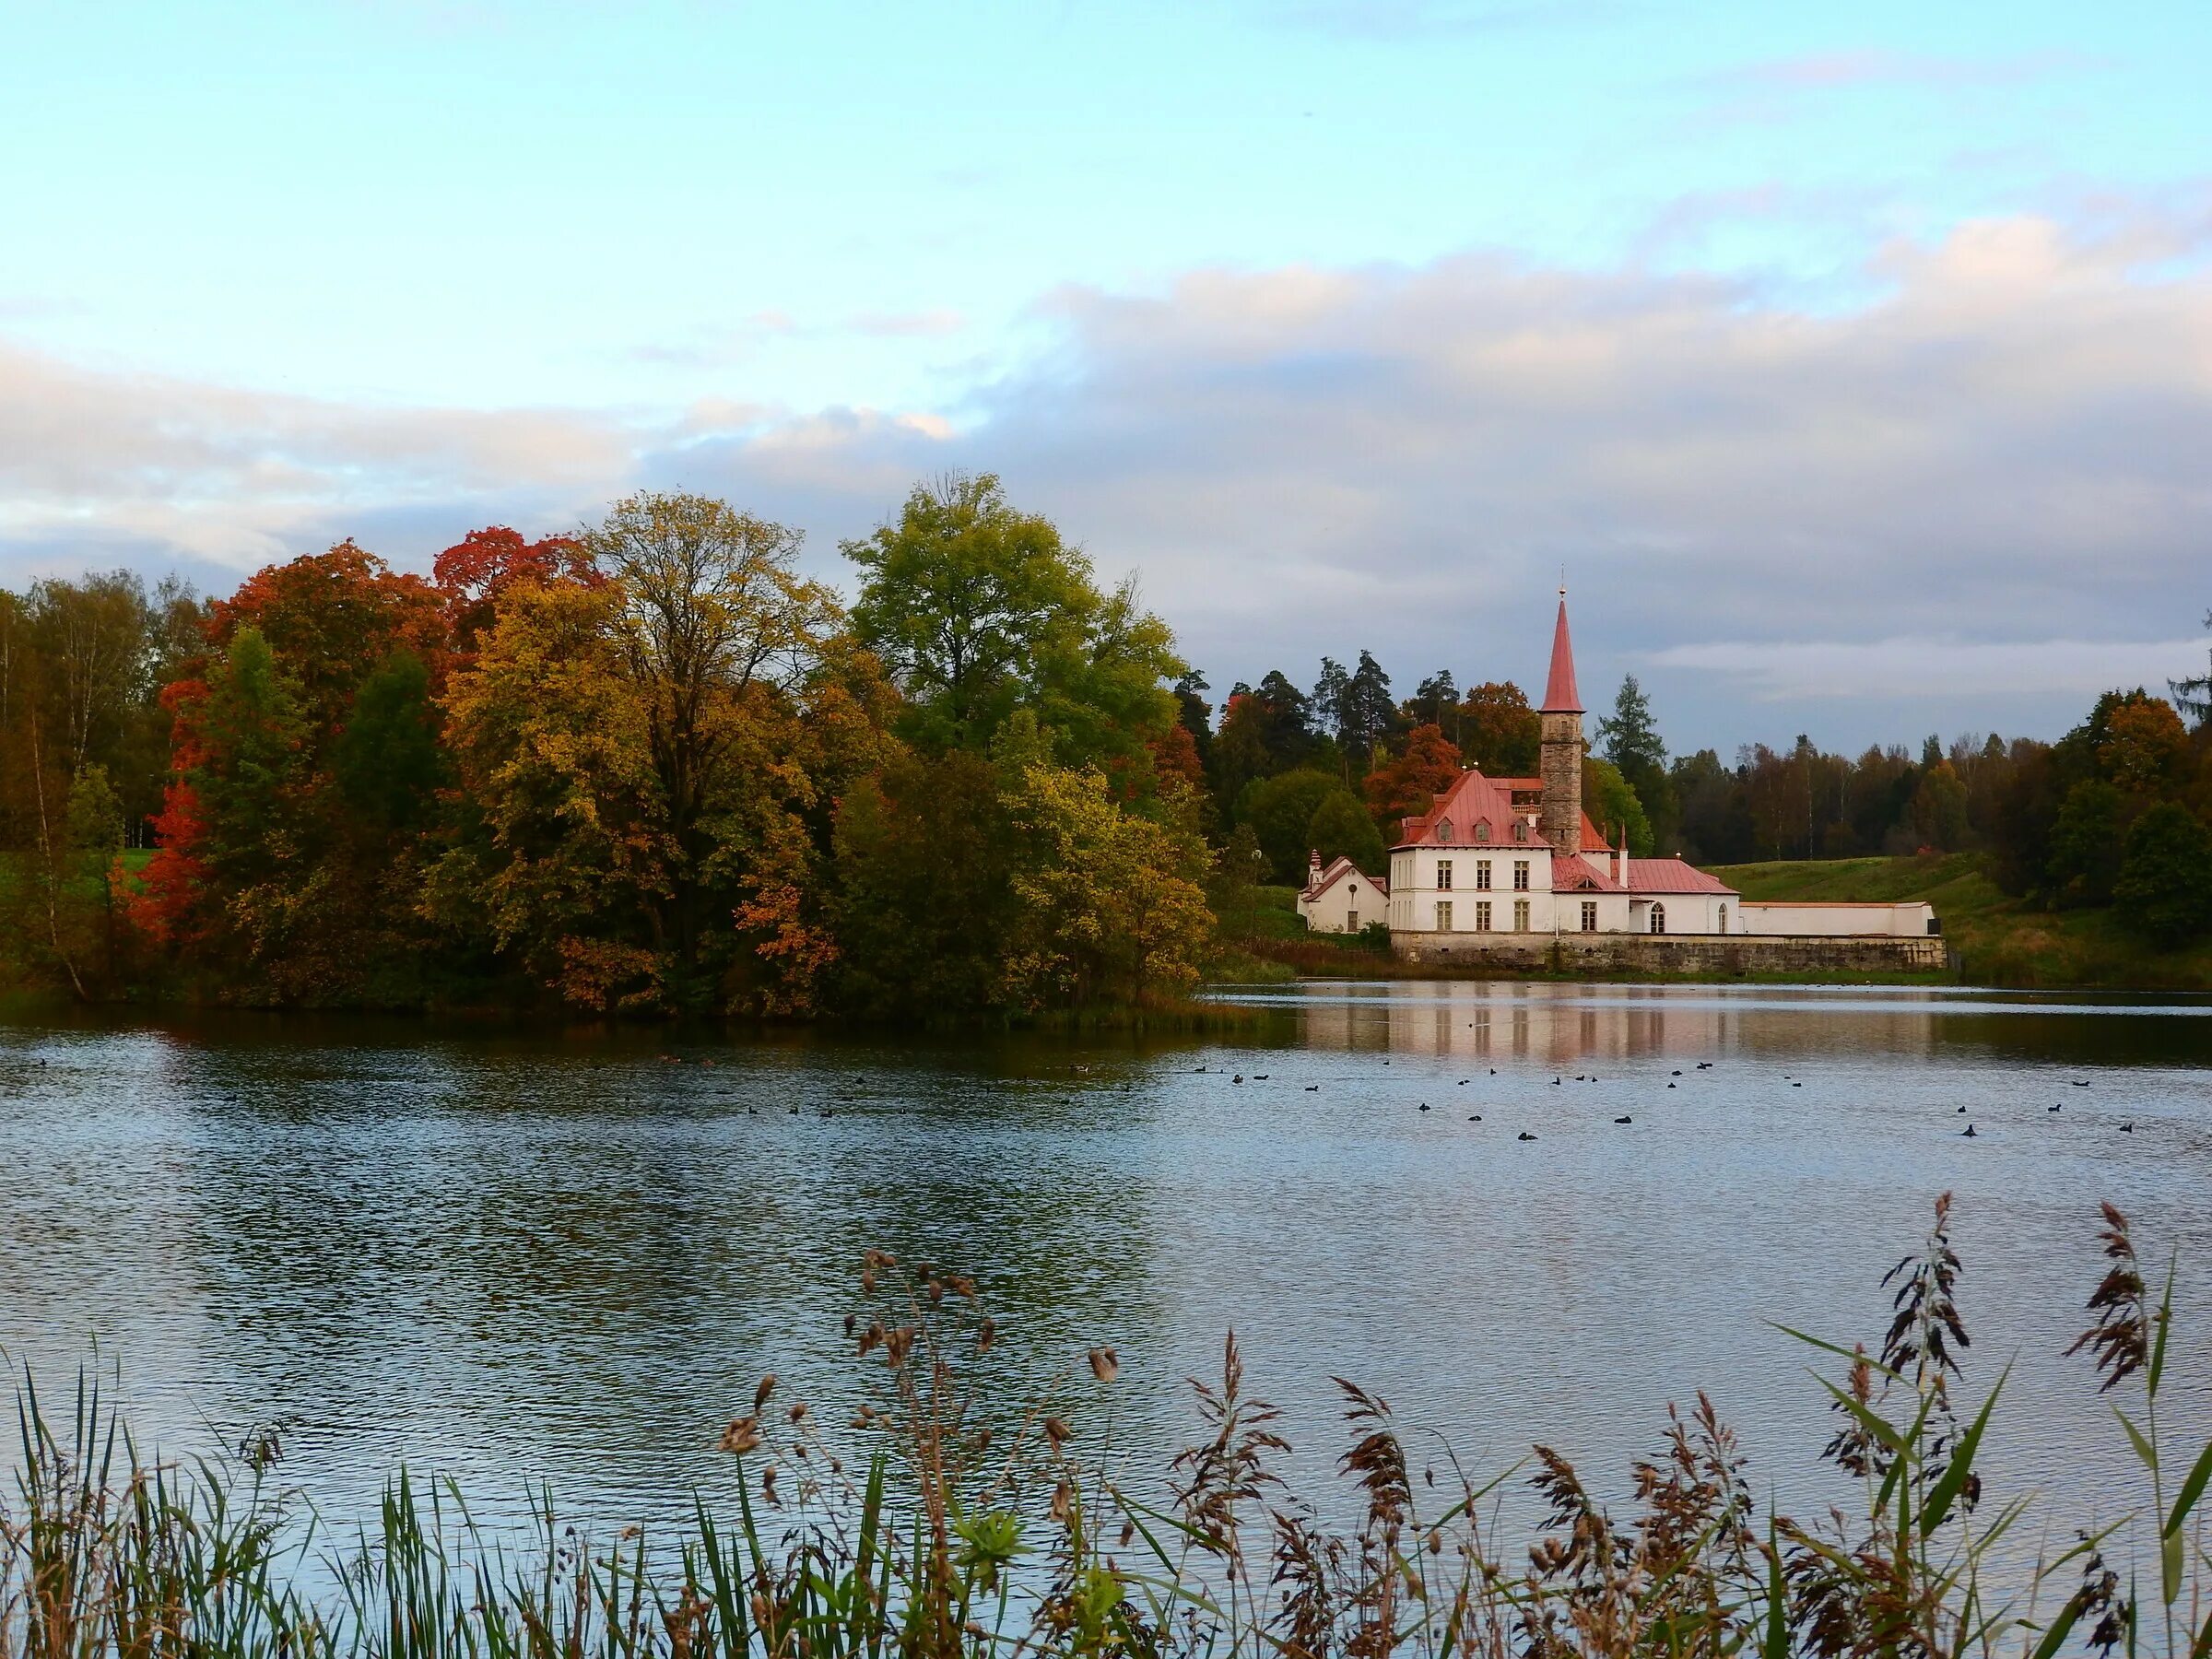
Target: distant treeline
[{"x": 651, "y": 768}]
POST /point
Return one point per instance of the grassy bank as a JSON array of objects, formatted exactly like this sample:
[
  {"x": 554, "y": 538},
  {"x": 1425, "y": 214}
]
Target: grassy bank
[
  {"x": 2000, "y": 941},
  {"x": 949, "y": 1521}
]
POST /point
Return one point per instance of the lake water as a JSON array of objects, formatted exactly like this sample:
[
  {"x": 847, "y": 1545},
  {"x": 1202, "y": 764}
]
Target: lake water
[{"x": 516, "y": 1257}]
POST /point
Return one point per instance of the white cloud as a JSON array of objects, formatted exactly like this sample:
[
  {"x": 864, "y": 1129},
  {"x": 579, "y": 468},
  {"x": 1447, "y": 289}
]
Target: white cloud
[{"x": 2002, "y": 448}]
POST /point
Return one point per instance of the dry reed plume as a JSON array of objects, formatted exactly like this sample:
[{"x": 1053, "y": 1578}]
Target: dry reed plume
[{"x": 964, "y": 1525}]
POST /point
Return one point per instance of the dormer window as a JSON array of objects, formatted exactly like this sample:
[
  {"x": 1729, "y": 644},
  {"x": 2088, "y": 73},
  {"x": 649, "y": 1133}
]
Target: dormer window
[
  {"x": 1443, "y": 830},
  {"x": 1520, "y": 830},
  {"x": 1482, "y": 832}
]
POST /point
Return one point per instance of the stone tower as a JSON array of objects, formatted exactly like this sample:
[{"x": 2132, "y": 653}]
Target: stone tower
[{"x": 1562, "y": 762}]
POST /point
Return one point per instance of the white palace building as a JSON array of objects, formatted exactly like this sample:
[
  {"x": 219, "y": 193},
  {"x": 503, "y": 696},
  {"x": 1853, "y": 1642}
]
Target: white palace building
[{"x": 1519, "y": 856}]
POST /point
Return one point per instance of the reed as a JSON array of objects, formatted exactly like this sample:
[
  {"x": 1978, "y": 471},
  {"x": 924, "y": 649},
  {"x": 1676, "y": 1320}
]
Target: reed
[{"x": 968, "y": 1524}]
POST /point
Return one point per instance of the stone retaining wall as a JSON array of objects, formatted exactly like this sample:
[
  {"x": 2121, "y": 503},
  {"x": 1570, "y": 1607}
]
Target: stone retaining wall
[{"x": 1633, "y": 955}]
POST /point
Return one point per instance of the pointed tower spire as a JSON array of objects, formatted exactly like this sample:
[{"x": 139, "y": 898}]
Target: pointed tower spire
[
  {"x": 1559, "y": 744},
  {"x": 1559, "y": 694}
]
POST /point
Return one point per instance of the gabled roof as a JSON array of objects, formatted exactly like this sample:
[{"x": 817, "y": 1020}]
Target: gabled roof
[
  {"x": 1473, "y": 799},
  {"x": 1559, "y": 694},
  {"x": 1662, "y": 875},
  {"x": 1336, "y": 872},
  {"x": 1580, "y": 875}
]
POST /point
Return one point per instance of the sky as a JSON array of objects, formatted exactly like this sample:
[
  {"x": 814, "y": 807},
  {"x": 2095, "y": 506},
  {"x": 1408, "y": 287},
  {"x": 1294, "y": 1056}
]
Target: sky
[{"x": 1853, "y": 365}]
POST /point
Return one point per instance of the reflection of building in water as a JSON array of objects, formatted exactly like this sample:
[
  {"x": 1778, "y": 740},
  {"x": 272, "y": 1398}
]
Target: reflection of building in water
[{"x": 1556, "y": 1024}]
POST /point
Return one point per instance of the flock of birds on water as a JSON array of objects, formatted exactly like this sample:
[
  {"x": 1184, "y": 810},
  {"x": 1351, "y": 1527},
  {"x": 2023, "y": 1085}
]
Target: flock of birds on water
[{"x": 1558, "y": 1081}]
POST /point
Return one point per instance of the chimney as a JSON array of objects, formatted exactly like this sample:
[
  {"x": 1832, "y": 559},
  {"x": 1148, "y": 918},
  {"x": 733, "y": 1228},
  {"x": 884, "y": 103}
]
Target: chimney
[{"x": 1312, "y": 865}]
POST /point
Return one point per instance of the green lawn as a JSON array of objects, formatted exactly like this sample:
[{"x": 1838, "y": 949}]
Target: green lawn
[{"x": 2000, "y": 941}]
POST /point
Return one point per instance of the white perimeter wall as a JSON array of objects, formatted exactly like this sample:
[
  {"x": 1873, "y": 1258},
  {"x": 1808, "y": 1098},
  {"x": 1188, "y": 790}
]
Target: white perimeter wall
[{"x": 1905, "y": 920}]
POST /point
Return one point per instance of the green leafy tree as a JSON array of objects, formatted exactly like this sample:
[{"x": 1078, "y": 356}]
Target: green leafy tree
[
  {"x": 2086, "y": 840},
  {"x": 1610, "y": 803},
  {"x": 388, "y": 762},
  {"x": 250, "y": 776},
  {"x": 924, "y": 900},
  {"x": 1435, "y": 701},
  {"x": 1629, "y": 739},
  {"x": 1237, "y": 871},
  {"x": 979, "y": 609},
  {"x": 1342, "y": 828},
  {"x": 1936, "y": 813},
  {"x": 1280, "y": 810},
  {"x": 2164, "y": 890}
]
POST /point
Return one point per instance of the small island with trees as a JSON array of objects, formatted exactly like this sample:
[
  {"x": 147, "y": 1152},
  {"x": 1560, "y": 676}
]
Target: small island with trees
[{"x": 654, "y": 768}]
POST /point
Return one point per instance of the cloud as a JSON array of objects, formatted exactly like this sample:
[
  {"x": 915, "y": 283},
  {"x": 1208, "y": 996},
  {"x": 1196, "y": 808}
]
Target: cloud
[
  {"x": 1938, "y": 667},
  {"x": 1906, "y": 498},
  {"x": 1778, "y": 89},
  {"x": 211, "y": 473}
]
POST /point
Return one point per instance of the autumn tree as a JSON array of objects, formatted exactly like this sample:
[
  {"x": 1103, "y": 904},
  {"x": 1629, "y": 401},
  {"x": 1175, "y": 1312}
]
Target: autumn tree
[
  {"x": 1408, "y": 782},
  {"x": 1500, "y": 731}
]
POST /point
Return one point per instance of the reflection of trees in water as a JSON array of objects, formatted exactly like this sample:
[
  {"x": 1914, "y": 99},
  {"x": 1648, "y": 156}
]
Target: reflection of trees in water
[{"x": 593, "y": 1257}]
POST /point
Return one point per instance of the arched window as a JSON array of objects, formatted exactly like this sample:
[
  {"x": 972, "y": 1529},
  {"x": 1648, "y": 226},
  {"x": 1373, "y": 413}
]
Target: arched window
[
  {"x": 1658, "y": 918},
  {"x": 1724, "y": 918}
]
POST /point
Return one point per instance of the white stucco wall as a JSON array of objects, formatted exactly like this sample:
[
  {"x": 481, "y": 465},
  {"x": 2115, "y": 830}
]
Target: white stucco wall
[
  {"x": 1418, "y": 885},
  {"x": 1905, "y": 920},
  {"x": 1353, "y": 904}
]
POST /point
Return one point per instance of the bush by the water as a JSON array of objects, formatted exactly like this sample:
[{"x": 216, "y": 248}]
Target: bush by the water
[{"x": 968, "y": 1524}]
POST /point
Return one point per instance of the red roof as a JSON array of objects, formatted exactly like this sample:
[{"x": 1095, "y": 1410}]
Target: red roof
[
  {"x": 1473, "y": 799},
  {"x": 1672, "y": 875},
  {"x": 1560, "y": 695},
  {"x": 1581, "y": 875},
  {"x": 1337, "y": 872}
]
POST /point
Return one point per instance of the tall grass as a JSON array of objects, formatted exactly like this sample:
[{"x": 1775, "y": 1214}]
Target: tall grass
[{"x": 966, "y": 1525}]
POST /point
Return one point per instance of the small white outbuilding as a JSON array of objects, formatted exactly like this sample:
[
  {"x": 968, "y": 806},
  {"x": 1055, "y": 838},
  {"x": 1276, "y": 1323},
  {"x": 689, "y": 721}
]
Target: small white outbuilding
[{"x": 1341, "y": 899}]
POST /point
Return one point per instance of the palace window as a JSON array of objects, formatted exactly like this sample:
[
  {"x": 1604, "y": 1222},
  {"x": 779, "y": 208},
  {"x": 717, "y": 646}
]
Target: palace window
[
  {"x": 1443, "y": 917},
  {"x": 1590, "y": 917},
  {"x": 1443, "y": 875},
  {"x": 1520, "y": 915},
  {"x": 1520, "y": 875},
  {"x": 1482, "y": 875},
  {"x": 1482, "y": 918},
  {"x": 1658, "y": 918}
]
